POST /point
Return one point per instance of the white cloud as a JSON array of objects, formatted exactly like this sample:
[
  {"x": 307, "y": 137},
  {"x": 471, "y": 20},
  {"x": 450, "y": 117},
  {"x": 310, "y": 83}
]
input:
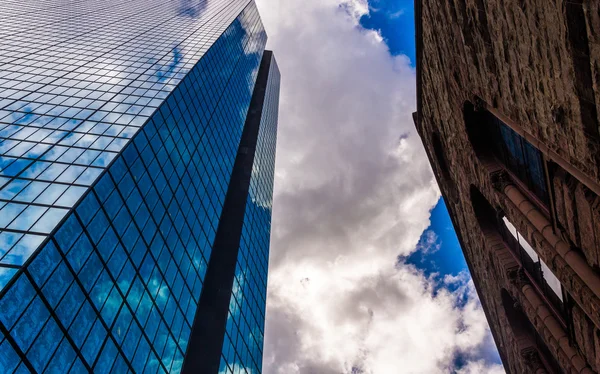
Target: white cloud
[
  {"x": 429, "y": 243},
  {"x": 353, "y": 191},
  {"x": 396, "y": 14},
  {"x": 355, "y": 8}
]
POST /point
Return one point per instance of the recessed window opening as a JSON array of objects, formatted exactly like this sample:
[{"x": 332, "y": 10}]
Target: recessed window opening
[
  {"x": 490, "y": 136},
  {"x": 533, "y": 264}
]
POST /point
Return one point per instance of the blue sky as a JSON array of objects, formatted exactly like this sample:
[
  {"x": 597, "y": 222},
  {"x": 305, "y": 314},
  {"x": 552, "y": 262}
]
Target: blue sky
[
  {"x": 395, "y": 20},
  {"x": 448, "y": 259}
]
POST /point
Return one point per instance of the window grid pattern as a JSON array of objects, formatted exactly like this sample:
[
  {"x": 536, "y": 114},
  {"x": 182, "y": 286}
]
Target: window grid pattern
[
  {"x": 243, "y": 342},
  {"x": 115, "y": 290},
  {"x": 76, "y": 84}
]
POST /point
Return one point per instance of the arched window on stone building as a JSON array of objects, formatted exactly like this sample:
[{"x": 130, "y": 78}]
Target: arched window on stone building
[{"x": 493, "y": 139}]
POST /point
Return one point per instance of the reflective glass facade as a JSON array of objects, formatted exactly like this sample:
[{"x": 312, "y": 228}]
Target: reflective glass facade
[
  {"x": 120, "y": 121},
  {"x": 242, "y": 347}
]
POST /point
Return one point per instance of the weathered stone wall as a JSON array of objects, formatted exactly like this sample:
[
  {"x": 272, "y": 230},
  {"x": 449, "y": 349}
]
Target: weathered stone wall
[{"x": 537, "y": 62}]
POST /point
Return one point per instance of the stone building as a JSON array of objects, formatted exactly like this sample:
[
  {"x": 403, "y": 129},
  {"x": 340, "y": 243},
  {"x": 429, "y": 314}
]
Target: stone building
[{"x": 508, "y": 111}]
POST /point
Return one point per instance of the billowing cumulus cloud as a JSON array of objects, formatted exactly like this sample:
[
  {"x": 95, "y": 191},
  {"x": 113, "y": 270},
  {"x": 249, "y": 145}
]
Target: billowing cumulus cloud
[{"x": 353, "y": 192}]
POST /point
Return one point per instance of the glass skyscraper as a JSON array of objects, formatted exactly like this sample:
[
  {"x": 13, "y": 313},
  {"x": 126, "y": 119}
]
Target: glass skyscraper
[{"x": 137, "y": 148}]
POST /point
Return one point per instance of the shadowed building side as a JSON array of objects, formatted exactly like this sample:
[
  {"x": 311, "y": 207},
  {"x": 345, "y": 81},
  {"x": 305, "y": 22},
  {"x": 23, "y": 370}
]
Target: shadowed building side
[{"x": 508, "y": 93}]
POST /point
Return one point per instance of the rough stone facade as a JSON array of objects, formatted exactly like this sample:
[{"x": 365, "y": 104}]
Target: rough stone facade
[{"x": 535, "y": 65}]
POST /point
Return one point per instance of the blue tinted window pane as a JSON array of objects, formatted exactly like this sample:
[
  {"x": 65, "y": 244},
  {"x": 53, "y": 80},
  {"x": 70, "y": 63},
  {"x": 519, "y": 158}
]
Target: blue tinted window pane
[
  {"x": 22, "y": 369},
  {"x": 94, "y": 342},
  {"x": 131, "y": 340},
  {"x": 8, "y": 357},
  {"x": 111, "y": 306},
  {"x": 119, "y": 366},
  {"x": 97, "y": 227},
  {"x": 101, "y": 289},
  {"x": 6, "y": 274},
  {"x": 44, "y": 346},
  {"x": 62, "y": 360},
  {"x": 15, "y": 301},
  {"x": 30, "y": 324},
  {"x": 70, "y": 304},
  {"x": 79, "y": 253},
  {"x": 122, "y": 325},
  {"x": 88, "y": 208},
  {"x": 107, "y": 358},
  {"x": 82, "y": 324},
  {"x": 68, "y": 233},
  {"x": 43, "y": 265},
  {"x": 78, "y": 368},
  {"x": 152, "y": 364},
  {"x": 57, "y": 285},
  {"x": 139, "y": 360}
]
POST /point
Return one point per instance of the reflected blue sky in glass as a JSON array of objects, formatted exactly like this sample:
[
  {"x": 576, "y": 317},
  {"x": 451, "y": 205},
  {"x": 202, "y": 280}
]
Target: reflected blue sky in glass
[
  {"x": 245, "y": 323},
  {"x": 6, "y": 275},
  {"x": 164, "y": 72},
  {"x": 143, "y": 282},
  {"x": 191, "y": 8},
  {"x": 52, "y": 115}
]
